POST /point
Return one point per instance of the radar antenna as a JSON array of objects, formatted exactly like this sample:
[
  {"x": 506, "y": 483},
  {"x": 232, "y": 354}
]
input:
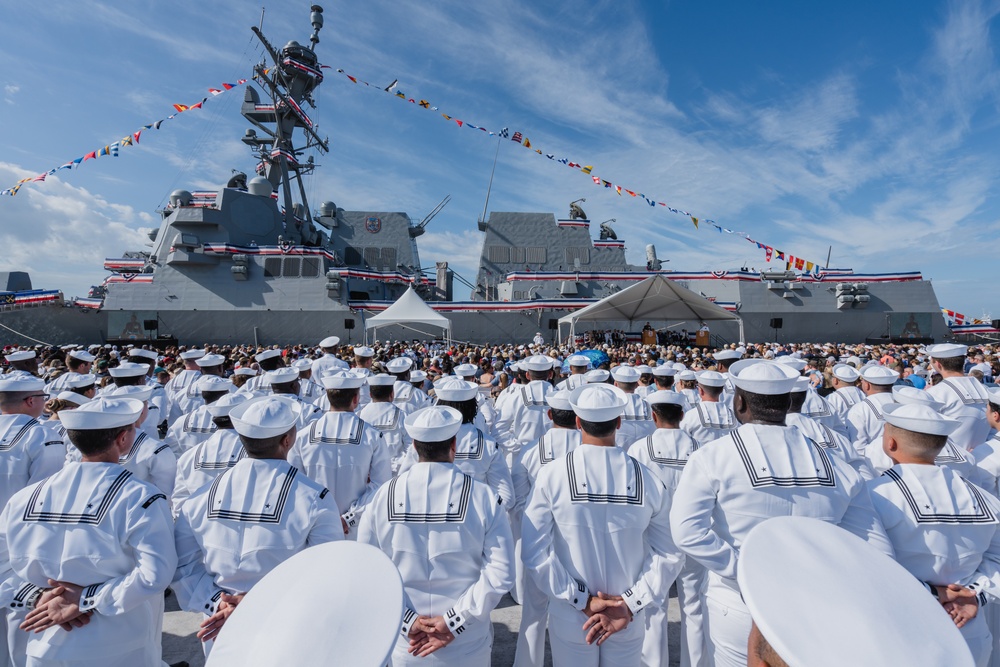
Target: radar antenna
[
  {"x": 575, "y": 212},
  {"x": 607, "y": 232}
]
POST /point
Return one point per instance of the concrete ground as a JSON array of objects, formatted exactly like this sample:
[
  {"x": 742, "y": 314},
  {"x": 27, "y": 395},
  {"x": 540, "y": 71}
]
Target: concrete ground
[{"x": 180, "y": 643}]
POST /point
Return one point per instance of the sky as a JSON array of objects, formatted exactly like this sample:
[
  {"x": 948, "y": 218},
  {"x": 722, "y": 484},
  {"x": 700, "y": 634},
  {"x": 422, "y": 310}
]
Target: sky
[{"x": 868, "y": 127}]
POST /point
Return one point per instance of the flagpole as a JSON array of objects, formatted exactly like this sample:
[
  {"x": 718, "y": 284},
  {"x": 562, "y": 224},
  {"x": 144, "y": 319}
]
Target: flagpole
[{"x": 489, "y": 188}]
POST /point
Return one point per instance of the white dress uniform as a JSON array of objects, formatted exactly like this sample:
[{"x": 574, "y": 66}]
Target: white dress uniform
[
  {"x": 190, "y": 430},
  {"x": 964, "y": 399},
  {"x": 327, "y": 363},
  {"x": 571, "y": 553},
  {"x": 755, "y": 473},
  {"x": 448, "y": 535},
  {"x": 28, "y": 453},
  {"x": 525, "y": 416},
  {"x": 201, "y": 464},
  {"x": 944, "y": 530},
  {"x": 478, "y": 456},
  {"x": 865, "y": 421},
  {"x": 252, "y": 518},
  {"x": 960, "y": 460},
  {"x": 346, "y": 455},
  {"x": 184, "y": 400},
  {"x": 665, "y": 452},
  {"x": 151, "y": 461},
  {"x": 645, "y": 390},
  {"x": 408, "y": 398},
  {"x": 637, "y": 422},
  {"x": 96, "y": 525},
  {"x": 832, "y": 441},
  {"x": 708, "y": 421},
  {"x": 816, "y": 407},
  {"x": 571, "y": 383},
  {"x": 692, "y": 397},
  {"x": 987, "y": 474},
  {"x": 309, "y": 391},
  {"x": 842, "y": 400},
  {"x": 388, "y": 419}
]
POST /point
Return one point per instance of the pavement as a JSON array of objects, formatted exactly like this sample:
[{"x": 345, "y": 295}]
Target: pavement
[{"x": 180, "y": 643}]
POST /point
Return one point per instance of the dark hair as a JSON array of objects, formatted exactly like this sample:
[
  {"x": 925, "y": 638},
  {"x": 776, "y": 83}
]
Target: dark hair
[
  {"x": 711, "y": 392},
  {"x": 133, "y": 381},
  {"x": 272, "y": 364},
  {"x": 766, "y": 407},
  {"x": 539, "y": 375},
  {"x": 668, "y": 412},
  {"x": 994, "y": 406},
  {"x": 381, "y": 392},
  {"x": 433, "y": 451},
  {"x": 93, "y": 442},
  {"x": 563, "y": 418},
  {"x": 952, "y": 364},
  {"x": 664, "y": 381},
  {"x": 404, "y": 376},
  {"x": 83, "y": 390},
  {"x": 469, "y": 408},
  {"x": 341, "y": 399},
  {"x": 223, "y": 422},
  {"x": 796, "y": 401},
  {"x": 14, "y": 397},
  {"x": 928, "y": 445},
  {"x": 212, "y": 396},
  {"x": 262, "y": 447},
  {"x": 599, "y": 429},
  {"x": 626, "y": 386}
]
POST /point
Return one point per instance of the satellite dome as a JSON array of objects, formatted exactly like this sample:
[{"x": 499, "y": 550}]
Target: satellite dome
[{"x": 260, "y": 186}]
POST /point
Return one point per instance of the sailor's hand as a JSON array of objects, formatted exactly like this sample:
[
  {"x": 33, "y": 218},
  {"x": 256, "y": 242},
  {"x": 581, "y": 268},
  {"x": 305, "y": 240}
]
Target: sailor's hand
[
  {"x": 601, "y": 602},
  {"x": 60, "y": 605},
  {"x": 953, "y": 592},
  {"x": 428, "y": 634},
  {"x": 212, "y": 625},
  {"x": 613, "y": 617}
]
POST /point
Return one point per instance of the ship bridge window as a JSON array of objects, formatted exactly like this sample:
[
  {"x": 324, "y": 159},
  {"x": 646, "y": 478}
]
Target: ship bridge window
[
  {"x": 292, "y": 267},
  {"x": 573, "y": 254},
  {"x": 310, "y": 267},
  {"x": 499, "y": 254},
  {"x": 272, "y": 267}
]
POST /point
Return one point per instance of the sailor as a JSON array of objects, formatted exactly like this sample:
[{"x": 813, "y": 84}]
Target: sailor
[
  {"x": 268, "y": 360},
  {"x": 417, "y": 379},
  {"x": 578, "y": 365},
  {"x": 28, "y": 450},
  {"x": 211, "y": 457},
  {"x": 958, "y": 459},
  {"x": 90, "y": 549},
  {"x": 688, "y": 381},
  {"x": 831, "y": 626},
  {"x": 558, "y": 441},
  {"x": 815, "y": 406},
  {"x": 637, "y": 422},
  {"x": 846, "y": 393},
  {"x": 385, "y": 417},
  {"x": 77, "y": 361},
  {"x": 665, "y": 451},
  {"x": 66, "y": 400},
  {"x": 342, "y": 452},
  {"x": 646, "y": 384},
  {"x": 486, "y": 414},
  {"x": 598, "y": 580},
  {"x": 186, "y": 401},
  {"x": 723, "y": 360},
  {"x": 309, "y": 390},
  {"x": 363, "y": 358},
  {"x": 241, "y": 376},
  {"x": 964, "y": 397},
  {"x": 23, "y": 360},
  {"x": 957, "y": 541},
  {"x": 599, "y": 376},
  {"x": 147, "y": 458},
  {"x": 197, "y": 426},
  {"x": 253, "y": 517},
  {"x": 158, "y": 402},
  {"x": 448, "y": 535},
  {"x": 864, "y": 420},
  {"x": 405, "y": 396},
  {"x": 823, "y": 435},
  {"x": 710, "y": 418},
  {"x": 987, "y": 455},
  {"x": 329, "y": 361},
  {"x": 181, "y": 380},
  {"x": 129, "y": 374},
  {"x": 761, "y": 469},
  {"x": 285, "y": 382},
  {"x": 523, "y": 419},
  {"x": 85, "y": 385},
  {"x": 476, "y": 454}
]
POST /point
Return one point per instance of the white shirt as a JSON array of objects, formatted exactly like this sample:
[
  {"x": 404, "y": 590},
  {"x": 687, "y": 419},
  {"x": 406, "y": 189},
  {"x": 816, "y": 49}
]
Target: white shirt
[
  {"x": 566, "y": 542},
  {"x": 449, "y": 537},
  {"x": 708, "y": 421},
  {"x": 178, "y": 386},
  {"x": 348, "y": 456},
  {"x": 843, "y": 400},
  {"x": 637, "y": 421},
  {"x": 964, "y": 399},
  {"x": 831, "y": 440},
  {"x": 865, "y": 420},
  {"x": 151, "y": 461},
  {"x": 387, "y": 418},
  {"x": 191, "y": 429},
  {"x": 753, "y": 474},
  {"x": 665, "y": 451},
  {"x": 817, "y": 407},
  {"x": 309, "y": 391},
  {"x": 201, "y": 464},
  {"x": 28, "y": 453},
  {"x": 408, "y": 398},
  {"x": 951, "y": 456},
  {"x": 554, "y": 443},
  {"x": 251, "y": 519},
  {"x": 570, "y": 383},
  {"x": 987, "y": 457},
  {"x": 525, "y": 415},
  {"x": 184, "y": 402},
  {"x": 96, "y": 525}
]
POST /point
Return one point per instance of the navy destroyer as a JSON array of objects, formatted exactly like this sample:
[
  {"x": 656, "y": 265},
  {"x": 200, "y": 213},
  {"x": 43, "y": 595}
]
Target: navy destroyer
[{"x": 253, "y": 262}]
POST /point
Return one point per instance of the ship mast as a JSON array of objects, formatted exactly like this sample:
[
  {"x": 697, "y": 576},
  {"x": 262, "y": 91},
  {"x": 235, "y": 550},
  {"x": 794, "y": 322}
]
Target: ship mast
[{"x": 290, "y": 82}]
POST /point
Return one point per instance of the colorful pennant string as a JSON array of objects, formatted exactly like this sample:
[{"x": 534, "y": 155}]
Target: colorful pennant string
[
  {"x": 115, "y": 147},
  {"x": 770, "y": 253}
]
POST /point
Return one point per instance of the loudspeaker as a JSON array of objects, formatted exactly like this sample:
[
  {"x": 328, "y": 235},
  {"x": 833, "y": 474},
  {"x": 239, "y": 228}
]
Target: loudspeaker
[
  {"x": 775, "y": 322},
  {"x": 553, "y": 324},
  {"x": 348, "y": 324},
  {"x": 150, "y": 325}
]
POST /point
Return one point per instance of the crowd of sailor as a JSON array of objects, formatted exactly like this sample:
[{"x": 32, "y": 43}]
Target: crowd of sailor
[{"x": 586, "y": 525}]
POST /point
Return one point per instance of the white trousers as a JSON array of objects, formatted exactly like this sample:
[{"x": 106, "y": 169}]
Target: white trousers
[
  {"x": 655, "y": 644},
  {"x": 531, "y": 635},
  {"x": 140, "y": 657},
  {"x": 691, "y": 597},
  {"x": 570, "y": 648},
  {"x": 728, "y": 631},
  {"x": 977, "y": 635},
  {"x": 992, "y": 612}
]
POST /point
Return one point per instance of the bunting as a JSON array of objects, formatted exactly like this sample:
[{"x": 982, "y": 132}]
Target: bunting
[
  {"x": 112, "y": 149},
  {"x": 770, "y": 252}
]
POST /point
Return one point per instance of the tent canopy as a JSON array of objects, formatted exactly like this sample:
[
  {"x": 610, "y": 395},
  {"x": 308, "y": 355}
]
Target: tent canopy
[
  {"x": 655, "y": 298},
  {"x": 408, "y": 309}
]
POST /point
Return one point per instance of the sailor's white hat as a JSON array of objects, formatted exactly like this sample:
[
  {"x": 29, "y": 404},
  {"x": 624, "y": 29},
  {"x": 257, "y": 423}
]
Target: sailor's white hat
[
  {"x": 138, "y": 352},
  {"x": 644, "y": 369},
  {"x": 537, "y": 362},
  {"x": 711, "y": 378},
  {"x": 303, "y": 365},
  {"x": 139, "y": 393},
  {"x": 455, "y": 389},
  {"x": 726, "y": 355},
  {"x": 686, "y": 375},
  {"x": 598, "y": 375},
  {"x": 191, "y": 355},
  {"x": 832, "y": 627},
  {"x": 127, "y": 369},
  {"x": 758, "y": 376},
  {"x": 381, "y": 380},
  {"x": 846, "y": 372},
  {"x": 465, "y": 370},
  {"x": 102, "y": 413},
  {"x": 267, "y": 354},
  {"x": 913, "y": 396},
  {"x": 210, "y": 360},
  {"x": 214, "y": 383},
  {"x": 399, "y": 365},
  {"x": 417, "y": 376},
  {"x": 947, "y": 350},
  {"x": 21, "y": 355},
  {"x": 15, "y": 382},
  {"x": 792, "y": 362},
  {"x": 281, "y": 376},
  {"x": 72, "y": 397},
  {"x": 559, "y": 400},
  {"x": 434, "y": 424},
  {"x": 364, "y": 351},
  {"x": 265, "y": 416},
  {"x": 994, "y": 395},
  {"x": 330, "y": 341},
  {"x": 327, "y": 364},
  {"x": 665, "y": 370},
  {"x": 666, "y": 396},
  {"x": 679, "y": 367},
  {"x": 625, "y": 374},
  {"x": 801, "y": 385},
  {"x": 880, "y": 375},
  {"x": 598, "y": 403},
  {"x": 245, "y": 370},
  {"x": 918, "y": 418},
  {"x": 226, "y": 404},
  {"x": 342, "y": 380},
  {"x": 81, "y": 355},
  {"x": 77, "y": 380},
  {"x": 579, "y": 360}
]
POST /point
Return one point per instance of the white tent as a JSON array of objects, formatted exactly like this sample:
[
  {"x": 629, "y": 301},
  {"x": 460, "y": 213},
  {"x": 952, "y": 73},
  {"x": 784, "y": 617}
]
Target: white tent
[
  {"x": 655, "y": 298},
  {"x": 409, "y": 309}
]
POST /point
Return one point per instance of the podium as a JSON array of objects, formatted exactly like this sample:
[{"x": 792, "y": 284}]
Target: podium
[
  {"x": 649, "y": 337},
  {"x": 703, "y": 338}
]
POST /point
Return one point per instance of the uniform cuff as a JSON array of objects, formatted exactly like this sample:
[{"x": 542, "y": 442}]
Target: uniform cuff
[
  {"x": 579, "y": 596},
  {"x": 350, "y": 518},
  {"x": 26, "y": 597},
  {"x": 213, "y": 603},
  {"x": 88, "y": 598},
  {"x": 636, "y": 602},
  {"x": 409, "y": 616},
  {"x": 455, "y": 621}
]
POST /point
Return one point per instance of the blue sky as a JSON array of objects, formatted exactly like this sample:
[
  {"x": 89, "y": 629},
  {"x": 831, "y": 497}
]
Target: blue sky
[{"x": 870, "y": 127}]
